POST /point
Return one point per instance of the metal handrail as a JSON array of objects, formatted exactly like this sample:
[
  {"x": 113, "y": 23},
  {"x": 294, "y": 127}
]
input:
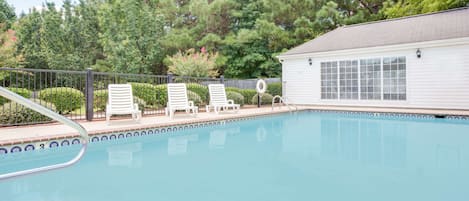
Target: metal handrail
[
  {"x": 282, "y": 100},
  {"x": 39, "y": 108}
]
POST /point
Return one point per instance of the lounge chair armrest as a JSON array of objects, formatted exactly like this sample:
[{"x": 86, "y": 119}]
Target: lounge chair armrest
[
  {"x": 231, "y": 102},
  {"x": 191, "y": 103}
]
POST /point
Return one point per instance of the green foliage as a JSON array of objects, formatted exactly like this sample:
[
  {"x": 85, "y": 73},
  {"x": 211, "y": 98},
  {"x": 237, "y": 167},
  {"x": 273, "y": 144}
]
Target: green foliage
[
  {"x": 248, "y": 94},
  {"x": 7, "y": 15},
  {"x": 192, "y": 96},
  {"x": 153, "y": 95},
  {"x": 100, "y": 98},
  {"x": 402, "y": 8},
  {"x": 266, "y": 99},
  {"x": 199, "y": 89},
  {"x": 20, "y": 91},
  {"x": 8, "y": 56},
  {"x": 13, "y": 113},
  {"x": 130, "y": 32},
  {"x": 193, "y": 64},
  {"x": 274, "y": 88},
  {"x": 60, "y": 39},
  {"x": 65, "y": 99},
  {"x": 236, "y": 97}
]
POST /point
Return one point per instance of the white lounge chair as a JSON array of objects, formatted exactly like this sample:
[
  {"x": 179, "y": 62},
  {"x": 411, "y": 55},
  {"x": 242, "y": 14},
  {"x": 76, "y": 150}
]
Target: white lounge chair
[
  {"x": 177, "y": 100},
  {"x": 121, "y": 101},
  {"x": 218, "y": 99}
]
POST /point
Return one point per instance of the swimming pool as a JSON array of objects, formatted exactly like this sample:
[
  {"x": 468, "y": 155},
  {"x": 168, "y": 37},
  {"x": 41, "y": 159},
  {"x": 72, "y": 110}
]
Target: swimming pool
[{"x": 303, "y": 156}]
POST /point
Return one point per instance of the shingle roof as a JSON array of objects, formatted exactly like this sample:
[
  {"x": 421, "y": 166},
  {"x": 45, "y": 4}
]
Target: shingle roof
[{"x": 419, "y": 28}]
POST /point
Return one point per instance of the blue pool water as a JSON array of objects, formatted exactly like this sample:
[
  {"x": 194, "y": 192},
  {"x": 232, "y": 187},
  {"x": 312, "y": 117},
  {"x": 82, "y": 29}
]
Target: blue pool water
[{"x": 305, "y": 156}]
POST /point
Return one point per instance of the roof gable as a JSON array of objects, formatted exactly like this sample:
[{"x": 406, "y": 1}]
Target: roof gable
[{"x": 419, "y": 28}]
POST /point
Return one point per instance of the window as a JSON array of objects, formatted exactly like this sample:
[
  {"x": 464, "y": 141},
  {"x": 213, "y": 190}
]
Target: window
[
  {"x": 329, "y": 80},
  {"x": 370, "y": 79},
  {"x": 380, "y": 79},
  {"x": 348, "y": 79},
  {"x": 394, "y": 78}
]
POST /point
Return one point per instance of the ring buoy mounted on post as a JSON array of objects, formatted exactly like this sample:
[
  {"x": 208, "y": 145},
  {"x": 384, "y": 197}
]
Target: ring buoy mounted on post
[{"x": 261, "y": 86}]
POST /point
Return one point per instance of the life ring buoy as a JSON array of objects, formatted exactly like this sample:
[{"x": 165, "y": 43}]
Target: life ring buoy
[{"x": 261, "y": 86}]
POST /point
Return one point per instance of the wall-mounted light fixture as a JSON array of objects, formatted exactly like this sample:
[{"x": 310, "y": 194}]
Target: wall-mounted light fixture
[
  {"x": 310, "y": 61},
  {"x": 418, "y": 53}
]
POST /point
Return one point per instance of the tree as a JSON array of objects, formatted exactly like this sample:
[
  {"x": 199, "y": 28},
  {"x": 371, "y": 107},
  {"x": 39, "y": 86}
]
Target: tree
[
  {"x": 129, "y": 35},
  {"x": 401, "y": 8},
  {"x": 8, "y": 57},
  {"x": 7, "y": 15},
  {"x": 193, "y": 64}
]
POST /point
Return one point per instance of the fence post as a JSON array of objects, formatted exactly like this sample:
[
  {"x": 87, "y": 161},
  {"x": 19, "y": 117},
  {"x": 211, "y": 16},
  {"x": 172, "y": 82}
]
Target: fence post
[
  {"x": 170, "y": 78},
  {"x": 222, "y": 79},
  {"x": 89, "y": 89}
]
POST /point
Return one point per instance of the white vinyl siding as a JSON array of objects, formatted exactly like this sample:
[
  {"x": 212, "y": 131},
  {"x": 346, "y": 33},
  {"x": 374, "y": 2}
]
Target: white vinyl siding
[{"x": 439, "y": 79}]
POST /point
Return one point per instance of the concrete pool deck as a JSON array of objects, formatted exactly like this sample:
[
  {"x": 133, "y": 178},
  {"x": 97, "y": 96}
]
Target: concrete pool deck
[{"x": 53, "y": 131}]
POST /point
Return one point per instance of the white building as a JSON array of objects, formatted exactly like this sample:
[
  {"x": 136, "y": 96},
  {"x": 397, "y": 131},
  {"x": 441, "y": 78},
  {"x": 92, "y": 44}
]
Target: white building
[{"x": 415, "y": 62}]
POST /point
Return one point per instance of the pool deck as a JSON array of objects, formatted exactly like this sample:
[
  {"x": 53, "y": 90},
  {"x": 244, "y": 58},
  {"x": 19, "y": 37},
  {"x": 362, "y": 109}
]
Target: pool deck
[{"x": 44, "y": 132}]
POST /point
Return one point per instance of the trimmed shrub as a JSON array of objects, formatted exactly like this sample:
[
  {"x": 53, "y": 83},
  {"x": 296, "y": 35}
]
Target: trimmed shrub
[
  {"x": 266, "y": 99},
  {"x": 65, "y": 99},
  {"x": 236, "y": 97},
  {"x": 154, "y": 95},
  {"x": 192, "y": 96},
  {"x": 199, "y": 89},
  {"x": 21, "y": 91},
  {"x": 248, "y": 94},
  {"x": 100, "y": 99},
  {"x": 275, "y": 88},
  {"x": 14, "y": 113},
  {"x": 162, "y": 90}
]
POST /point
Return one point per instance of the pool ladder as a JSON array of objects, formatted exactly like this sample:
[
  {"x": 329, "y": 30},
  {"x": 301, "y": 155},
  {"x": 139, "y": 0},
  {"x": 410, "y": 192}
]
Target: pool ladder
[
  {"x": 282, "y": 100},
  {"x": 49, "y": 113}
]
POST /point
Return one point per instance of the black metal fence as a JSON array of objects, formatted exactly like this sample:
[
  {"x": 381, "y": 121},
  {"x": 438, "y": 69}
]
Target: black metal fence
[{"x": 82, "y": 95}]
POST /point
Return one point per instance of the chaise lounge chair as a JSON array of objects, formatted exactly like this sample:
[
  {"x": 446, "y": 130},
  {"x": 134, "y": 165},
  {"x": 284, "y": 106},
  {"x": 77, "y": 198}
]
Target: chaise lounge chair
[
  {"x": 121, "y": 101},
  {"x": 177, "y": 100},
  {"x": 218, "y": 99}
]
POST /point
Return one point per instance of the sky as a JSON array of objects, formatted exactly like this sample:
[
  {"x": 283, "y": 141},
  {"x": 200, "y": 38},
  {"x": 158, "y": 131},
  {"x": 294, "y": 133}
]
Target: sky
[{"x": 25, "y": 5}]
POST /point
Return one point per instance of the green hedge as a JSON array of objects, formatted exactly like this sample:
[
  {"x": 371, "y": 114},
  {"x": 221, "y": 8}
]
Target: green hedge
[
  {"x": 162, "y": 90},
  {"x": 247, "y": 93},
  {"x": 192, "y": 96},
  {"x": 236, "y": 97},
  {"x": 13, "y": 113},
  {"x": 154, "y": 95},
  {"x": 199, "y": 89},
  {"x": 65, "y": 99},
  {"x": 266, "y": 99},
  {"x": 275, "y": 88},
  {"x": 21, "y": 91},
  {"x": 100, "y": 99}
]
